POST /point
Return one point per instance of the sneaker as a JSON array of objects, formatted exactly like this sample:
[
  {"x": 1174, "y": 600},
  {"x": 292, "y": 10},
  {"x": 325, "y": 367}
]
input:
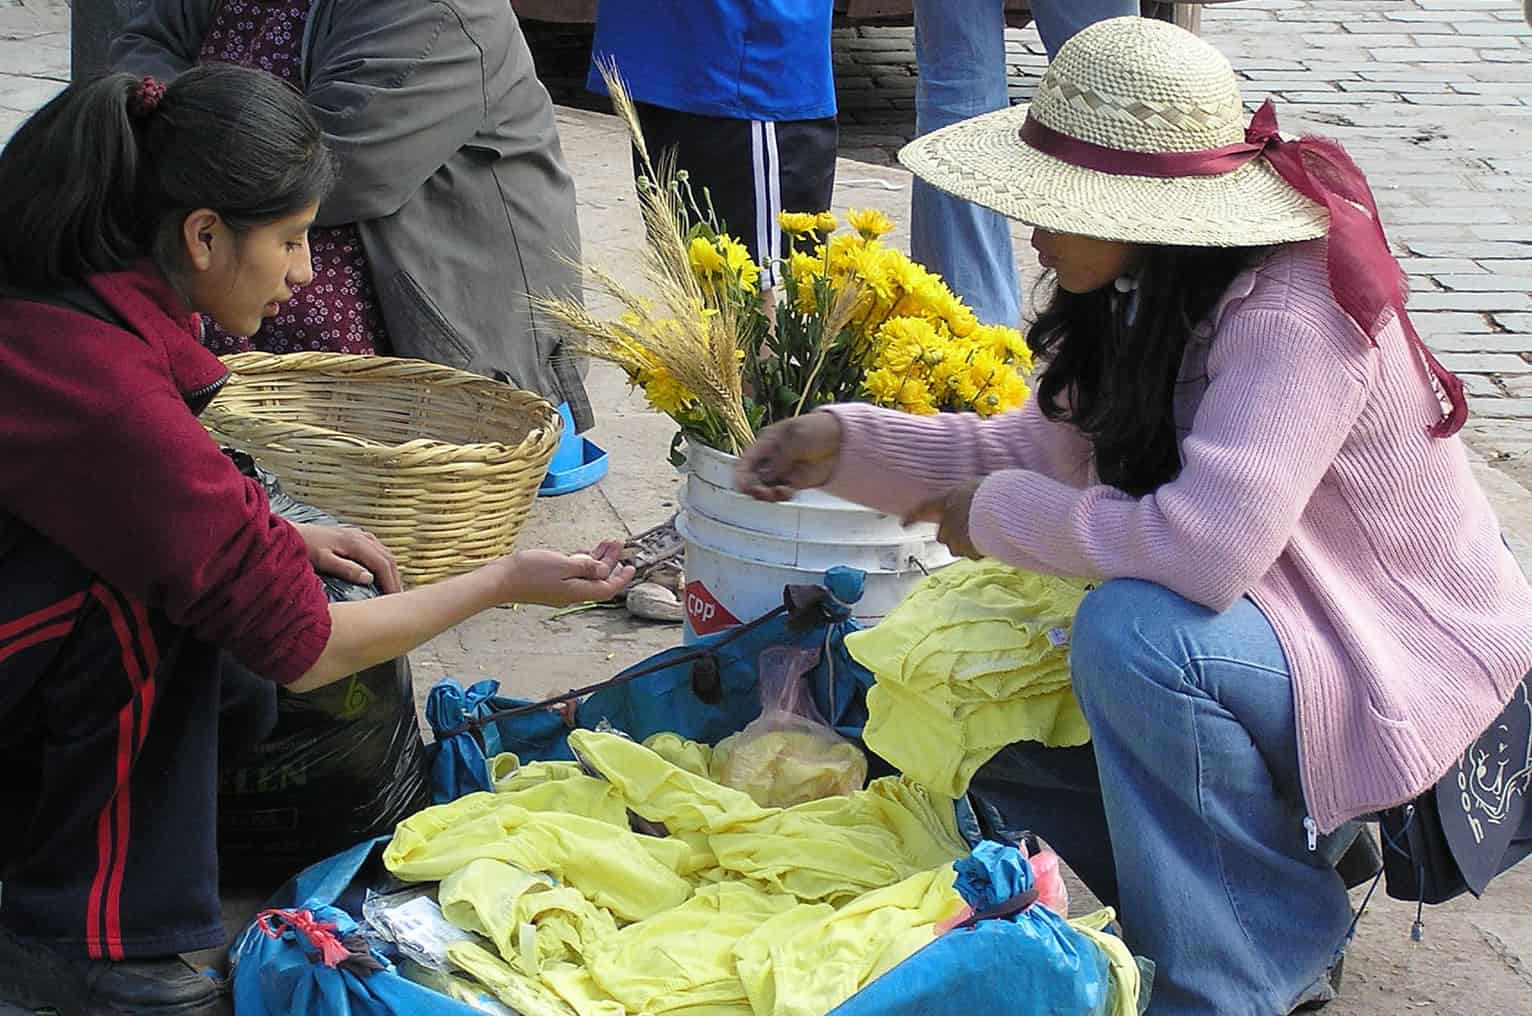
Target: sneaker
[
  {"x": 658, "y": 597},
  {"x": 658, "y": 580},
  {"x": 34, "y": 977},
  {"x": 653, "y": 548}
]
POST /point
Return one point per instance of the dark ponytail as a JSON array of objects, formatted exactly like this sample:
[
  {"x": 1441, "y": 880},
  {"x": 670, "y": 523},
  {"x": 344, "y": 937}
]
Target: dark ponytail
[
  {"x": 1116, "y": 381},
  {"x": 102, "y": 176}
]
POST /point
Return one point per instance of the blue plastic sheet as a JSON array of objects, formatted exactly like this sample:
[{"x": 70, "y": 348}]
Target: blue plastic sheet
[
  {"x": 1043, "y": 964},
  {"x": 283, "y": 976}
]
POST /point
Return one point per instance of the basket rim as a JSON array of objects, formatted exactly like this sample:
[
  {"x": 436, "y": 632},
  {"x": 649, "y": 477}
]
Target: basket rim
[{"x": 378, "y": 370}]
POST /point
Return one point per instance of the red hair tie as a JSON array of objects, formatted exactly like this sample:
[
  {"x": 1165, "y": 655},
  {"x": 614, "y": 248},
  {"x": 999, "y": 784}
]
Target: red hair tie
[{"x": 145, "y": 97}]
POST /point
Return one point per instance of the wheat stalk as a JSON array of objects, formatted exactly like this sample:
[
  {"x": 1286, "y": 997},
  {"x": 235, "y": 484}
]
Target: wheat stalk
[{"x": 694, "y": 339}]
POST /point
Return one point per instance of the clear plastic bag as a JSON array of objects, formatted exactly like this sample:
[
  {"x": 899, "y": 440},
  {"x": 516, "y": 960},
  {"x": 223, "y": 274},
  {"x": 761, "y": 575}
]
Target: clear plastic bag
[{"x": 789, "y": 754}]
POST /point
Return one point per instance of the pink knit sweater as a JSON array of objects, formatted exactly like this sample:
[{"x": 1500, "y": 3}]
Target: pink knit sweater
[{"x": 1308, "y": 483}]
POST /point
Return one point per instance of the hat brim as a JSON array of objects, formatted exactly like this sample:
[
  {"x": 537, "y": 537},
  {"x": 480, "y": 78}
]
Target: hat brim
[{"x": 984, "y": 160}]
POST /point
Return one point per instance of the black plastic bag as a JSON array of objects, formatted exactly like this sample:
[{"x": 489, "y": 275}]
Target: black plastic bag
[{"x": 344, "y": 763}]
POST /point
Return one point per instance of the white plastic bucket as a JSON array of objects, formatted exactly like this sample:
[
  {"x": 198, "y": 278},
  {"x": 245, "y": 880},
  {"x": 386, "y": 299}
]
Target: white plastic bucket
[{"x": 740, "y": 552}]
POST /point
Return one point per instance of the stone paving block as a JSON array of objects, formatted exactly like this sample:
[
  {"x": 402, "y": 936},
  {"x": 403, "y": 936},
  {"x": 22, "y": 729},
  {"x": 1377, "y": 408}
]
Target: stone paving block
[
  {"x": 24, "y": 95},
  {"x": 1480, "y": 342},
  {"x": 1453, "y": 18},
  {"x": 1515, "y": 322},
  {"x": 1485, "y": 363},
  {"x": 1452, "y": 321},
  {"x": 1480, "y": 251},
  {"x": 1504, "y": 231},
  {"x": 1458, "y": 267},
  {"x": 1481, "y": 387},
  {"x": 1489, "y": 282},
  {"x": 1455, "y": 98},
  {"x": 1476, "y": 302},
  {"x": 1504, "y": 409},
  {"x": 1433, "y": 212}
]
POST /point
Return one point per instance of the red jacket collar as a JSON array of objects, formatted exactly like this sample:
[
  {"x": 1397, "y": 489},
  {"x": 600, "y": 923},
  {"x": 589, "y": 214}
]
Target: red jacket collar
[{"x": 151, "y": 305}]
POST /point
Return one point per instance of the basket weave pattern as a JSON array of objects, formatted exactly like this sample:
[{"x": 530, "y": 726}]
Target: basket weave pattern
[{"x": 441, "y": 465}]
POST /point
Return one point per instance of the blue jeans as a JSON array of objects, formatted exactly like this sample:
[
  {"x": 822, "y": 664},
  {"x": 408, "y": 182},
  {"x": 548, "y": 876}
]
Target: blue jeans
[
  {"x": 1186, "y": 810},
  {"x": 960, "y": 50}
]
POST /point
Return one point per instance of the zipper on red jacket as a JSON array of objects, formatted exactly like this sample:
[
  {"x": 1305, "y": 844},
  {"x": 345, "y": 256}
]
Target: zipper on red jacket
[{"x": 199, "y": 399}]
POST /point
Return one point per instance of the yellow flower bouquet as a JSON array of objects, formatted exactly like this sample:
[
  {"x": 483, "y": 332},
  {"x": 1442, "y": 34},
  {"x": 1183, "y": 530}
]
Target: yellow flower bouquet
[{"x": 856, "y": 320}]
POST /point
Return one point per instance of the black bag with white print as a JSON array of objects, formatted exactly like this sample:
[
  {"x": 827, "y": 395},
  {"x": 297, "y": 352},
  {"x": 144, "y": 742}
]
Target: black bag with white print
[{"x": 1476, "y": 821}]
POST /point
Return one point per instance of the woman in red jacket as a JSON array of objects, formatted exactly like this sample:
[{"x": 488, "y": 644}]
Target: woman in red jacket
[{"x": 133, "y": 553}]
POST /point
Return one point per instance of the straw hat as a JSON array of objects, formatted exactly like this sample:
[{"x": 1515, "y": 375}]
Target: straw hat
[{"x": 1130, "y": 84}]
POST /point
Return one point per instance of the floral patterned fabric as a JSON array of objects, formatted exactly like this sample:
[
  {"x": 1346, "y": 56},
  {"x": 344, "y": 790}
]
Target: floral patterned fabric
[{"x": 337, "y": 312}]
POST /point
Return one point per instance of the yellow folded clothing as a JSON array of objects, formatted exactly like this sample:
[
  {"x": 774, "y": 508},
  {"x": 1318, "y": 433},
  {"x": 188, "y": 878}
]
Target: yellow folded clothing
[
  {"x": 684, "y": 957},
  {"x": 632, "y": 876},
  {"x": 693, "y": 756},
  {"x": 809, "y": 960},
  {"x": 556, "y": 786},
  {"x": 1121, "y": 966},
  {"x": 975, "y": 657},
  {"x": 832, "y": 849},
  {"x": 526, "y": 995},
  {"x": 497, "y": 900}
]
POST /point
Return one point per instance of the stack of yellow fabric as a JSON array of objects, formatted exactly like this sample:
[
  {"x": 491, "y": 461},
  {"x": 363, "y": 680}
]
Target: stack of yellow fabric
[
  {"x": 976, "y": 657},
  {"x": 793, "y": 910}
]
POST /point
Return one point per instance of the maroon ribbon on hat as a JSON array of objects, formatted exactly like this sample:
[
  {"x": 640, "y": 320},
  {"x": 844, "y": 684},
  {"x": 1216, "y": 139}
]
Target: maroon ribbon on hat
[{"x": 1365, "y": 277}]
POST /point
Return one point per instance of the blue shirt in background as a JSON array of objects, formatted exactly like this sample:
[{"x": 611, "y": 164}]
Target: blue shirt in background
[{"x": 743, "y": 59}]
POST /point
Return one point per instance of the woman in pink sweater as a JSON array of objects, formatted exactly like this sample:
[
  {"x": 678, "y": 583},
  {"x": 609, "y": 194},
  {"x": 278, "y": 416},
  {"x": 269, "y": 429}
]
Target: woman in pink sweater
[{"x": 1306, "y": 611}]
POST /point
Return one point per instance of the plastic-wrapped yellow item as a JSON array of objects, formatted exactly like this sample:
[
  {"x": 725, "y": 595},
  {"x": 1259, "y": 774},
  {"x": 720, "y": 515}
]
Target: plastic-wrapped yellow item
[
  {"x": 780, "y": 768},
  {"x": 632, "y": 876},
  {"x": 1123, "y": 968},
  {"x": 684, "y": 958},
  {"x": 788, "y": 754},
  {"x": 810, "y": 960},
  {"x": 975, "y": 657},
  {"x": 832, "y": 849},
  {"x": 496, "y": 899},
  {"x": 527, "y": 995},
  {"x": 693, "y": 756},
  {"x": 556, "y": 786}
]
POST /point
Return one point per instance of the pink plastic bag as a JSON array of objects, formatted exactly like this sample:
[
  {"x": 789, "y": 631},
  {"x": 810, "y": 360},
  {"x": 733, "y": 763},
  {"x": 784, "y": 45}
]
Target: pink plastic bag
[
  {"x": 1048, "y": 878},
  {"x": 788, "y": 754}
]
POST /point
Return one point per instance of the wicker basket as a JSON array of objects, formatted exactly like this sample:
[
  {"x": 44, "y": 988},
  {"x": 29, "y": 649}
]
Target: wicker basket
[{"x": 441, "y": 465}]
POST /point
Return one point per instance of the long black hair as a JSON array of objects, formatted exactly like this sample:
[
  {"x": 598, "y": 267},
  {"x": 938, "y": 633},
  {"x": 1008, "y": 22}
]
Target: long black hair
[
  {"x": 98, "y": 179},
  {"x": 1113, "y": 374}
]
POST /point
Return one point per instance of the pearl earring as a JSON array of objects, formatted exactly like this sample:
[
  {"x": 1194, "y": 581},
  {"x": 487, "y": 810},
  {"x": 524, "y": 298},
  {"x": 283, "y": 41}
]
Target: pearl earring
[{"x": 1126, "y": 286}]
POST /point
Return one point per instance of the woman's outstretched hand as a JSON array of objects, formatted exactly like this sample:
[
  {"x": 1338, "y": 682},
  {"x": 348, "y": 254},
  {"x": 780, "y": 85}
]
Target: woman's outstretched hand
[
  {"x": 559, "y": 580},
  {"x": 790, "y": 456}
]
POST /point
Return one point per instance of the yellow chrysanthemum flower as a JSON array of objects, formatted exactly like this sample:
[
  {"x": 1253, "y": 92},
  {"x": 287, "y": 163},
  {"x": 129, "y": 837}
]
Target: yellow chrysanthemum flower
[
  {"x": 799, "y": 224},
  {"x": 1013, "y": 391},
  {"x": 666, "y": 394},
  {"x": 826, "y": 223},
  {"x": 705, "y": 258},
  {"x": 737, "y": 257},
  {"x": 869, "y": 222},
  {"x": 915, "y": 397},
  {"x": 883, "y": 386}
]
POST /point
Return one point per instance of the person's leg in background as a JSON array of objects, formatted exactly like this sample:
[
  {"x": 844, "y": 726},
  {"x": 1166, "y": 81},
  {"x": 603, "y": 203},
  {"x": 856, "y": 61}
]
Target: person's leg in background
[
  {"x": 960, "y": 57},
  {"x": 1059, "y": 20},
  {"x": 960, "y": 53},
  {"x": 1194, "y": 732}
]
